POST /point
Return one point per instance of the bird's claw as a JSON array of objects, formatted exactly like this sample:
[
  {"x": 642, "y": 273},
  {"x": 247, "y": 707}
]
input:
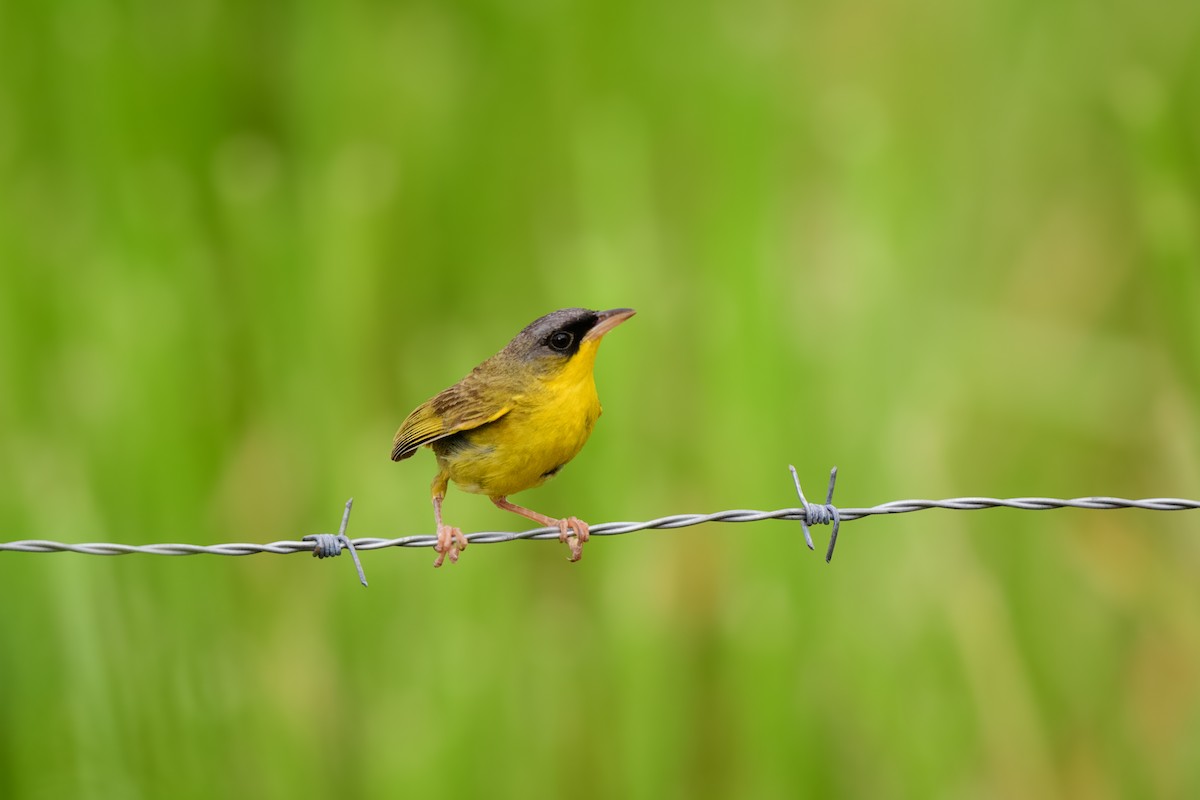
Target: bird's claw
[
  {"x": 450, "y": 541},
  {"x": 573, "y": 532}
]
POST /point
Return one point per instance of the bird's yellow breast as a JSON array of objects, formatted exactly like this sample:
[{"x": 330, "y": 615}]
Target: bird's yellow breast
[{"x": 550, "y": 421}]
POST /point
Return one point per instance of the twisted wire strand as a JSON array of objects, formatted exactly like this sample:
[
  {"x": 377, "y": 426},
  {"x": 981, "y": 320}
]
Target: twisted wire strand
[{"x": 609, "y": 528}]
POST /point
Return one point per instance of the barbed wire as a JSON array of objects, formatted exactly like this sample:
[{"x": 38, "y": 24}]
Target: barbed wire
[{"x": 325, "y": 545}]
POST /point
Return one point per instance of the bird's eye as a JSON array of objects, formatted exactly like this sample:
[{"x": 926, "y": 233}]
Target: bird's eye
[{"x": 561, "y": 340}]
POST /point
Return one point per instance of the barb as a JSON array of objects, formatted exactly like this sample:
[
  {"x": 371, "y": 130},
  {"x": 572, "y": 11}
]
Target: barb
[
  {"x": 329, "y": 546},
  {"x": 819, "y": 515},
  {"x": 808, "y": 514}
]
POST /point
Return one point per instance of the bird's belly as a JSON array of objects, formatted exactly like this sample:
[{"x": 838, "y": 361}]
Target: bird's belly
[{"x": 522, "y": 449}]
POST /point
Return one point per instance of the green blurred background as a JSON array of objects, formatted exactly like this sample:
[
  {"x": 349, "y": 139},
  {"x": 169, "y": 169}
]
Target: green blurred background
[{"x": 953, "y": 248}]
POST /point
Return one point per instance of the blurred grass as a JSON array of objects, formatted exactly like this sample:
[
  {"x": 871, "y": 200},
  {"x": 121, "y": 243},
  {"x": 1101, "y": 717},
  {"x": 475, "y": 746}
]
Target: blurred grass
[{"x": 952, "y": 248}]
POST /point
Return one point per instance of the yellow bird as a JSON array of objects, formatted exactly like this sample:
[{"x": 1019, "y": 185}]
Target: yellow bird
[{"x": 515, "y": 421}]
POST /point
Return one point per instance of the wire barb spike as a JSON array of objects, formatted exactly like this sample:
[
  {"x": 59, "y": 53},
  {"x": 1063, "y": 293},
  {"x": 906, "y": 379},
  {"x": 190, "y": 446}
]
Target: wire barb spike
[
  {"x": 819, "y": 514},
  {"x": 328, "y": 545}
]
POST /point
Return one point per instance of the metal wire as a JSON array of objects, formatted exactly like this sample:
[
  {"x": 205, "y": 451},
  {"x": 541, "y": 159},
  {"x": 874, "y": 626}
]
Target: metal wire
[{"x": 808, "y": 514}]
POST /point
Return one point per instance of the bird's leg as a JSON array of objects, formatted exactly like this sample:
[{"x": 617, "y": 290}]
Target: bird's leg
[
  {"x": 572, "y": 531},
  {"x": 449, "y": 539}
]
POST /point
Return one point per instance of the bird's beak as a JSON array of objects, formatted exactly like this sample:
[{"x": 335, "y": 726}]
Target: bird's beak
[{"x": 606, "y": 321}]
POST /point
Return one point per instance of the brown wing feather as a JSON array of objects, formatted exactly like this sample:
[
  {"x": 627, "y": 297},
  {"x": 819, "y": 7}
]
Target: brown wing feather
[{"x": 465, "y": 405}]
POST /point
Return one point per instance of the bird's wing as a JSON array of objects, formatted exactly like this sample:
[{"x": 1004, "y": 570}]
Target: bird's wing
[{"x": 465, "y": 405}]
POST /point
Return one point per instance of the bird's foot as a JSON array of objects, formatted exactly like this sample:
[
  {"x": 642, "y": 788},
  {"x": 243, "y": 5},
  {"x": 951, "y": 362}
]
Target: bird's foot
[
  {"x": 450, "y": 540},
  {"x": 573, "y": 532}
]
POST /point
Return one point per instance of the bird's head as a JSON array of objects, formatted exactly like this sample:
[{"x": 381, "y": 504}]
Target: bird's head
[{"x": 568, "y": 336}]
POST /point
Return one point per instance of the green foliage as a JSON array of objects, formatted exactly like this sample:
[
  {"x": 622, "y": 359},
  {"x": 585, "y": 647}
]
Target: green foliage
[{"x": 950, "y": 247}]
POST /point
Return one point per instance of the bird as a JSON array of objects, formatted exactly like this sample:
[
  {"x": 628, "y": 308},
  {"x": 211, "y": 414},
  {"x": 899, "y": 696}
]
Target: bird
[{"x": 514, "y": 421}]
